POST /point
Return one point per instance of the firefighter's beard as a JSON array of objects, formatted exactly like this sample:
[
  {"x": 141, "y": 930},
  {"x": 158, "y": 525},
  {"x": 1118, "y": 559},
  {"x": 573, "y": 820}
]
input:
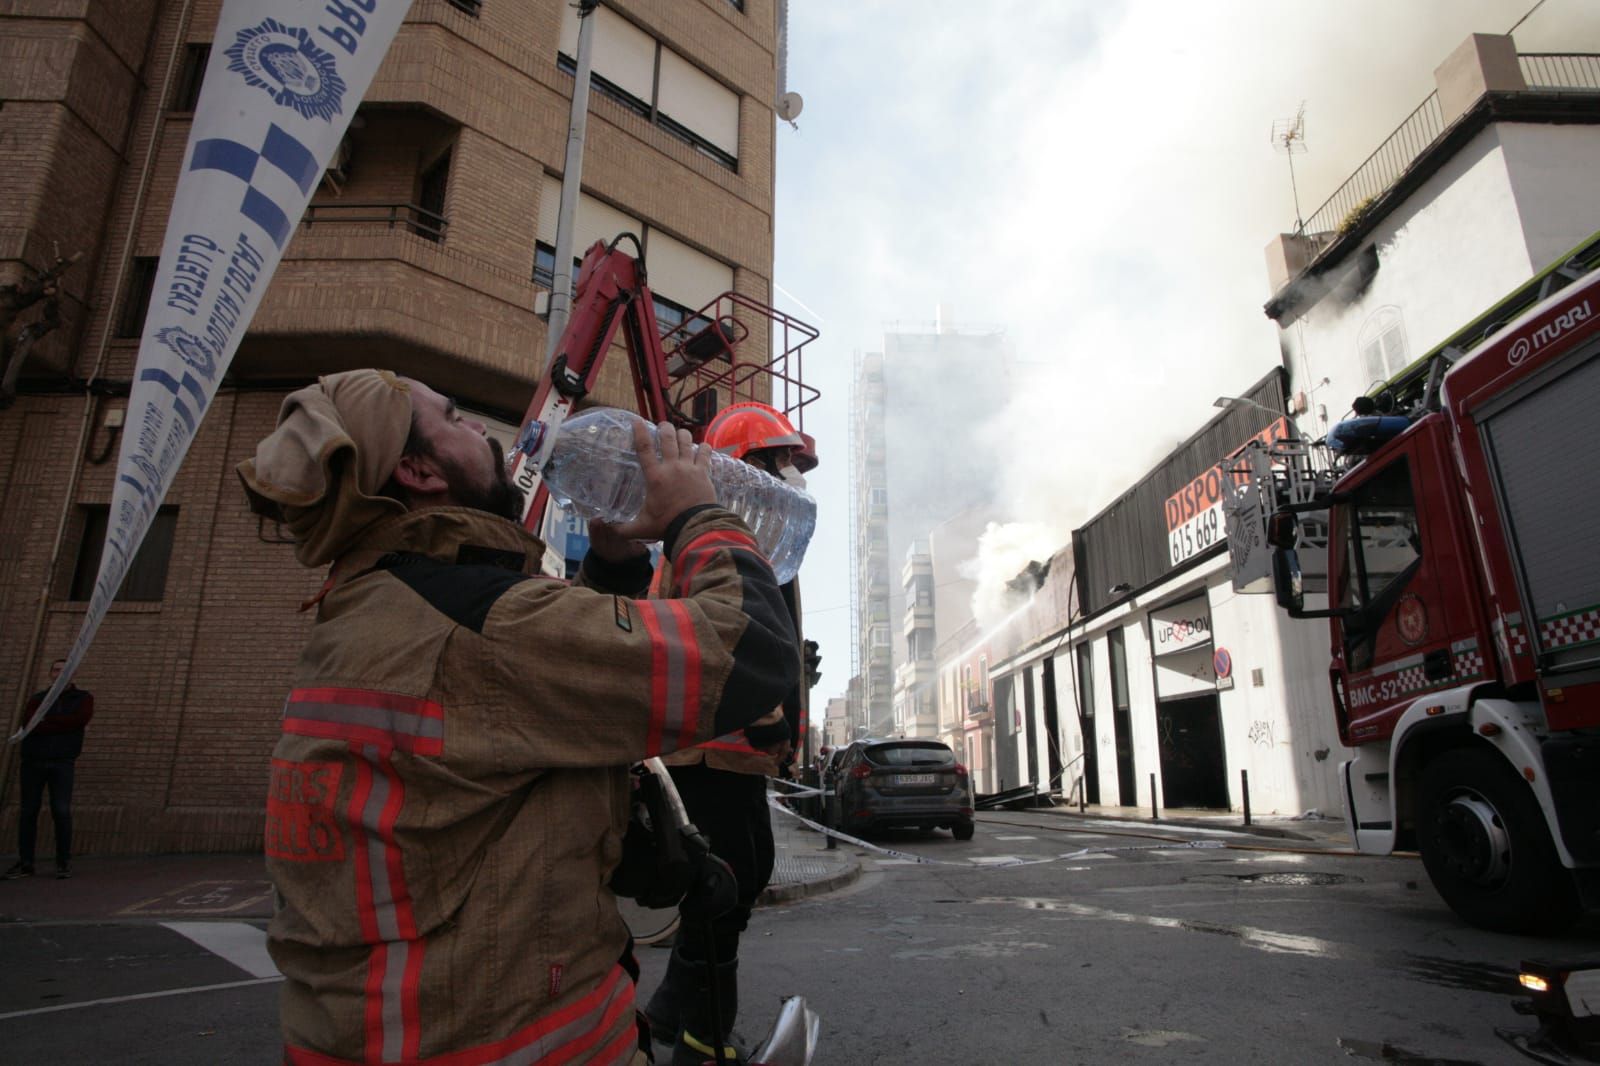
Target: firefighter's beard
[{"x": 493, "y": 493}]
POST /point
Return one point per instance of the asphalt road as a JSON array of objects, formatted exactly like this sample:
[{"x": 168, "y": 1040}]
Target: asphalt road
[{"x": 1138, "y": 950}]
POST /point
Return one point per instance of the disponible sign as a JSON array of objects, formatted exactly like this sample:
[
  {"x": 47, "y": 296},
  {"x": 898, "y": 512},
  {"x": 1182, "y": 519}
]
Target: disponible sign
[{"x": 1194, "y": 514}]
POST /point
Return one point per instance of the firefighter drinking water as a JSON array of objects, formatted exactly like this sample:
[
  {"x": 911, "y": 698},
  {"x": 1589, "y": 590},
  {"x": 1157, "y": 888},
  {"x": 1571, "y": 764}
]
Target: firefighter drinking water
[
  {"x": 724, "y": 789},
  {"x": 450, "y": 788}
]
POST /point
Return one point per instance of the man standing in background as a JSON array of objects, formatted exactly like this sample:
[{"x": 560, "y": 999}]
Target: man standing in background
[{"x": 48, "y": 755}]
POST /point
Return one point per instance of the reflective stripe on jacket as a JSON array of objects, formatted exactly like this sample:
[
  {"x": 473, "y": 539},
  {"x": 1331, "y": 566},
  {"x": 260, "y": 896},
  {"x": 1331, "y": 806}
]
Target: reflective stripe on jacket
[{"x": 449, "y": 793}]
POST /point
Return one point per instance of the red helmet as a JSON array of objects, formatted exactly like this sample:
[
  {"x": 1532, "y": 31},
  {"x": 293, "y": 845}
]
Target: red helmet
[{"x": 751, "y": 426}]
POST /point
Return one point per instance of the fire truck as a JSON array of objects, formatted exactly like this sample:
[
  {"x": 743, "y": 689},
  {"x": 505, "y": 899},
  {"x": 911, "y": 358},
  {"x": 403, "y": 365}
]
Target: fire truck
[{"x": 1460, "y": 508}]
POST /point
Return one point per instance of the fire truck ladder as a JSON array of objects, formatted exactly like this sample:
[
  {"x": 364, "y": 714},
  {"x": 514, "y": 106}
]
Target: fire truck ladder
[{"x": 731, "y": 350}]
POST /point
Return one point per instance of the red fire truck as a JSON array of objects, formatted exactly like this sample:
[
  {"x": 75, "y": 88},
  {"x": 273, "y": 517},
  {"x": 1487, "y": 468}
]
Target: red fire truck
[{"x": 1463, "y": 582}]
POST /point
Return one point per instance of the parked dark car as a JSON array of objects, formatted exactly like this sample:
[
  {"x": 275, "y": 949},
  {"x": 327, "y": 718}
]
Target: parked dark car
[{"x": 914, "y": 783}]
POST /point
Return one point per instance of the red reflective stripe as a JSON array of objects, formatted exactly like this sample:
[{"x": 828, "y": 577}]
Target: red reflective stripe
[
  {"x": 691, "y": 671},
  {"x": 377, "y": 963},
  {"x": 356, "y": 734},
  {"x": 411, "y": 1002},
  {"x": 405, "y": 918},
  {"x": 366, "y": 909},
  {"x": 489, "y": 1053},
  {"x": 658, "y": 678},
  {"x": 693, "y": 557},
  {"x": 486, "y": 1054},
  {"x": 620, "y": 1050},
  {"x": 362, "y": 697},
  {"x": 578, "y": 1045}
]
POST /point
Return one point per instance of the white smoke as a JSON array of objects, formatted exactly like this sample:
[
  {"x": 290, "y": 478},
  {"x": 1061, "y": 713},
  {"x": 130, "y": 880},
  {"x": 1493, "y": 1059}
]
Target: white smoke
[
  {"x": 1098, "y": 178},
  {"x": 1004, "y": 552},
  {"x": 1149, "y": 191}
]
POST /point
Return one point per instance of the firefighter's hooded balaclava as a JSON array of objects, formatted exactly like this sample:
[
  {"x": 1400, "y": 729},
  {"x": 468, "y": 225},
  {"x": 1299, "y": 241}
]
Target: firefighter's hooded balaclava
[{"x": 321, "y": 471}]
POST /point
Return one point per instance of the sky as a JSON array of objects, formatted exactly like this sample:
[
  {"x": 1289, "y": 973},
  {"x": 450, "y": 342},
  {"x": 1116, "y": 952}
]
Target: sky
[{"x": 1097, "y": 178}]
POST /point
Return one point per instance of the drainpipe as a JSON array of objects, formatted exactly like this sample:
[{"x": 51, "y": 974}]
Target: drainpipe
[{"x": 571, "y": 182}]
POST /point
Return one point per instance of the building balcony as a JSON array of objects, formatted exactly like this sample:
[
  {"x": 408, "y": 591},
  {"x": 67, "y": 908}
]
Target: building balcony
[
  {"x": 918, "y": 617},
  {"x": 916, "y": 675}
]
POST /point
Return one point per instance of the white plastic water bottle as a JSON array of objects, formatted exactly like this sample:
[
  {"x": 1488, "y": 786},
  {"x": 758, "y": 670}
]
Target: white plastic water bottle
[{"x": 593, "y": 471}]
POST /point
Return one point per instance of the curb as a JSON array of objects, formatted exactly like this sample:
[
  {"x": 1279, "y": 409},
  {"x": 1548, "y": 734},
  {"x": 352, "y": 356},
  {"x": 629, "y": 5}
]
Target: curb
[
  {"x": 788, "y": 893},
  {"x": 1189, "y": 823}
]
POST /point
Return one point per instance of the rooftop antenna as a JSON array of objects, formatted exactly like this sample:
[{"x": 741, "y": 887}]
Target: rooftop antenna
[{"x": 1289, "y": 137}]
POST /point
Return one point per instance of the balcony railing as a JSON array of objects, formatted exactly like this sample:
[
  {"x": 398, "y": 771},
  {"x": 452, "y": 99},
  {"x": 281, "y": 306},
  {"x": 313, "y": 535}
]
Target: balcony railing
[
  {"x": 1547, "y": 71},
  {"x": 1380, "y": 171},
  {"x": 1543, "y": 71},
  {"x": 415, "y": 219}
]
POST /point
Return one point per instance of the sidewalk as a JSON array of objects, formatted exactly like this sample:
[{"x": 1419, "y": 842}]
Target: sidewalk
[
  {"x": 1329, "y": 831},
  {"x": 235, "y": 887},
  {"x": 804, "y": 867}
]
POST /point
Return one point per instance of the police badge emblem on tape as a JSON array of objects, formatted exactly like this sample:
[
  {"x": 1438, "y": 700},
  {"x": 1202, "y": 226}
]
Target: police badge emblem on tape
[{"x": 286, "y": 63}]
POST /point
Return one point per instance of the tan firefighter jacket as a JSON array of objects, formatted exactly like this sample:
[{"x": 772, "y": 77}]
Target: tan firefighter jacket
[
  {"x": 449, "y": 794},
  {"x": 732, "y": 752}
]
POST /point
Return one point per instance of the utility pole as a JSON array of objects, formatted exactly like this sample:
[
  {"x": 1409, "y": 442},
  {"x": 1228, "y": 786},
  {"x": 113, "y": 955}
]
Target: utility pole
[{"x": 571, "y": 183}]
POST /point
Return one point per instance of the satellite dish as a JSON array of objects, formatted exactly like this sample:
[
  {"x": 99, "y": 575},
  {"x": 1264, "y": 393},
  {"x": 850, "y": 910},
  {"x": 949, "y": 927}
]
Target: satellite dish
[{"x": 789, "y": 106}]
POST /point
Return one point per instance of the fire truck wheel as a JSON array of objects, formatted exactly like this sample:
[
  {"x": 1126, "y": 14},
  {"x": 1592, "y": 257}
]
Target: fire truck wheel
[{"x": 1486, "y": 847}]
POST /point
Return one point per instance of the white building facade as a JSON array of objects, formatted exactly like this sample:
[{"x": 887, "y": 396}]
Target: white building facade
[{"x": 1178, "y": 690}]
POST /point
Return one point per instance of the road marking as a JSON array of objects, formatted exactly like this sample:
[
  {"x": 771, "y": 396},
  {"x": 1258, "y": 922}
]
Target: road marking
[
  {"x": 986, "y": 860},
  {"x": 896, "y": 862},
  {"x": 142, "y": 995},
  {"x": 238, "y": 942},
  {"x": 998, "y": 836},
  {"x": 206, "y": 897}
]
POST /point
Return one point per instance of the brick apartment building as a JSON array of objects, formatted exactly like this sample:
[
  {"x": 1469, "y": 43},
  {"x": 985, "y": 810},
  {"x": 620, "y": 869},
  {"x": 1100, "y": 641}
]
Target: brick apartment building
[{"x": 424, "y": 250}]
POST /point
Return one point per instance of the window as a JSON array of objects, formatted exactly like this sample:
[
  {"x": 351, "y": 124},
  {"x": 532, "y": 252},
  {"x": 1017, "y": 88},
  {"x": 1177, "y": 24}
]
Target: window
[
  {"x": 471, "y": 7},
  {"x": 1382, "y": 539},
  {"x": 1382, "y": 548},
  {"x": 191, "y": 75},
  {"x": 136, "y": 298},
  {"x": 1383, "y": 345},
  {"x": 682, "y": 279},
  {"x": 703, "y": 406},
  {"x": 656, "y": 83},
  {"x": 431, "y": 188},
  {"x": 880, "y": 637},
  {"x": 878, "y": 497},
  {"x": 544, "y": 265},
  {"x": 1119, "y": 669},
  {"x": 1085, "y": 679},
  {"x": 146, "y": 580},
  {"x": 670, "y": 315}
]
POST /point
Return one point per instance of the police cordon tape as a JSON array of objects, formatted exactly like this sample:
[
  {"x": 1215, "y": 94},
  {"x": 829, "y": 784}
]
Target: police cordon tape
[{"x": 775, "y": 801}]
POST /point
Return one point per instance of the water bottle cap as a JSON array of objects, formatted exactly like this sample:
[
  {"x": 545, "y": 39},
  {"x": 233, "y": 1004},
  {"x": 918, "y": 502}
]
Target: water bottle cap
[{"x": 529, "y": 439}]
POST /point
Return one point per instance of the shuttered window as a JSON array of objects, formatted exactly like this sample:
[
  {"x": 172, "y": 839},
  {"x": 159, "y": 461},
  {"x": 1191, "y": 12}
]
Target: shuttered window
[{"x": 652, "y": 80}]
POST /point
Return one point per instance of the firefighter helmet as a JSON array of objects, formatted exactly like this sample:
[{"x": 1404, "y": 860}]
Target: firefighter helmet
[{"x": 751, "y": 426}]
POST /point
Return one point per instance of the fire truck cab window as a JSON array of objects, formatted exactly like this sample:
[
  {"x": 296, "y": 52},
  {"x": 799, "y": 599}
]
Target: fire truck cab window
[{"x": 1382, "y": 546}]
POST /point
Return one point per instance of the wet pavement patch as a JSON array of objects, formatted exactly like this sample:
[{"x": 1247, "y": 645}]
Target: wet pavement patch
[{"x": 1297, "y": 878}]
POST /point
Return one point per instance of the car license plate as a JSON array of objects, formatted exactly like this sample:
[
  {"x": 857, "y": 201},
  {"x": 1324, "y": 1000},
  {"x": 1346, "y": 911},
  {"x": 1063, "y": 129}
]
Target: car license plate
[{"x": 913, "y": 779}]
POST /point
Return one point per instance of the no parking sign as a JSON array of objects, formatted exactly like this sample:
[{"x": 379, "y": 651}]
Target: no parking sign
[{"x": 1222, "y": 663}]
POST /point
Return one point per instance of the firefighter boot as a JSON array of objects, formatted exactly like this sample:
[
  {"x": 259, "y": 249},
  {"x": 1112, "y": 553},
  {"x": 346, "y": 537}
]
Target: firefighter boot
[
  {"x": 695, "y": 1044},
  {"x": 664, "y": 1012}
]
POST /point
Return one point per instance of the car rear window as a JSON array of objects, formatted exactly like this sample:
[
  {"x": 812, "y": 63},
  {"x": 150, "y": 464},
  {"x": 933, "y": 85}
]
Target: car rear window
[{"x": 912, "y": 755}]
